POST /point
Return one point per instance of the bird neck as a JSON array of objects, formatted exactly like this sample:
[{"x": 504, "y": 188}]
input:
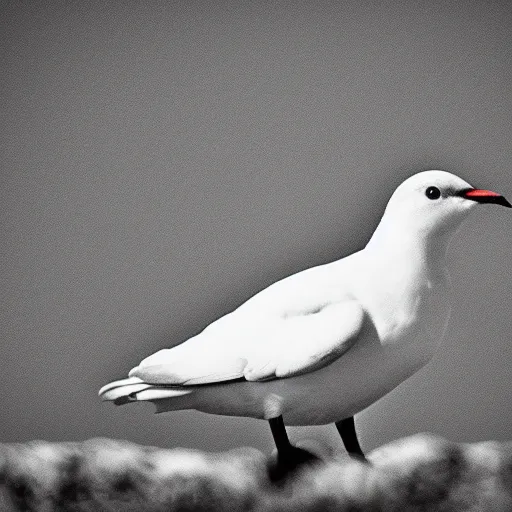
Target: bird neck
[{"x": 422, "y": 249}]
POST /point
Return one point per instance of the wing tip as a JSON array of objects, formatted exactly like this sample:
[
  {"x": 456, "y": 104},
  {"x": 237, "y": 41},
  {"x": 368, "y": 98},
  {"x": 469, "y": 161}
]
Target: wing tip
[{"x": 119, "y": 383}]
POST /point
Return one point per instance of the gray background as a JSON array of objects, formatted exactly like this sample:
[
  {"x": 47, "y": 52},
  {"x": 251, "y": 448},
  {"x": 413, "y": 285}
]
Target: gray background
[{"x": 163, "y": 161}]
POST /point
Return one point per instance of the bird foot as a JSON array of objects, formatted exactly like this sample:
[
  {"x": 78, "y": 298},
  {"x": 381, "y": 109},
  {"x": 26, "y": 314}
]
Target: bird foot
[
  {"x": 288, "y": 463},
  {"x": 359, "y": 458}
]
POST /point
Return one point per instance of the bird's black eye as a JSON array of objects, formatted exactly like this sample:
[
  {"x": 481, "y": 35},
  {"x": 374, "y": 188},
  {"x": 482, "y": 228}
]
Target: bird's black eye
[{"x": 433, "y": 193}]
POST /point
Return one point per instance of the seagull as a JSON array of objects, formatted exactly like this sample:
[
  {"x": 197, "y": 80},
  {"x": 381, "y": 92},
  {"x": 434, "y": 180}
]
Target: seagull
[{"x": 321, "y": 345}]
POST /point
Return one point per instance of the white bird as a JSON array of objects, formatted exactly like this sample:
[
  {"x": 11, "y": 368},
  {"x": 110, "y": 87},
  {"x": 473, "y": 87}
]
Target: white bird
[{"x": 321, "y": 345}]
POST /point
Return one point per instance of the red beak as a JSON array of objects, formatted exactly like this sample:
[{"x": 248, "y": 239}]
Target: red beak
[{"x": 485, "y": 196}]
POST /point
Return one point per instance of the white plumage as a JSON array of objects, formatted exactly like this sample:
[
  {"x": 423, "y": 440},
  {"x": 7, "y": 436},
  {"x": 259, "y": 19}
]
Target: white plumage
[{"x": 323, "y": 344}]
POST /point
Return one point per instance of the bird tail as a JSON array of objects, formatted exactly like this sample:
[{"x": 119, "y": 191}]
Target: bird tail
[{"x": 134, "y": 389}]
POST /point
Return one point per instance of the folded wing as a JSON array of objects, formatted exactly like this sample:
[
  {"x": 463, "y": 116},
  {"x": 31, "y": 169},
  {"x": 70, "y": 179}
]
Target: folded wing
[{"x": 242, "y": 347}]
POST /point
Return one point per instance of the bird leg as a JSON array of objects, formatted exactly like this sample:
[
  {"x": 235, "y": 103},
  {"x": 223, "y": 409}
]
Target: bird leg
[
  {"x": 347, "y": 430},
  {"x": 289, "y": 457}
]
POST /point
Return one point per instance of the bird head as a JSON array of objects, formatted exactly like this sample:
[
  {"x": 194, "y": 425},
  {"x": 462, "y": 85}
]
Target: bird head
[{"x": 432, "y": 204}]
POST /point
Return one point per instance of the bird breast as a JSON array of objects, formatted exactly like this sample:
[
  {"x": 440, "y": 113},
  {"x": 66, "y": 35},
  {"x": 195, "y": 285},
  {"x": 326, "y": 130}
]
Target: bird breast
[{"x": 410, "y": 309}]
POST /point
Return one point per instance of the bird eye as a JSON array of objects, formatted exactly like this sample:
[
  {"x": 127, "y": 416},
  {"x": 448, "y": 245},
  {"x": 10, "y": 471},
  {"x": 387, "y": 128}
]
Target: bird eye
[{"x": 433, "y": 193}]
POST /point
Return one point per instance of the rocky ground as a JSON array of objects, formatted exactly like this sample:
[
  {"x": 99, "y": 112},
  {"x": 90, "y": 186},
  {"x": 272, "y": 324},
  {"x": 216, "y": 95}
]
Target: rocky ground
[{"x": 422, "y": 472}]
